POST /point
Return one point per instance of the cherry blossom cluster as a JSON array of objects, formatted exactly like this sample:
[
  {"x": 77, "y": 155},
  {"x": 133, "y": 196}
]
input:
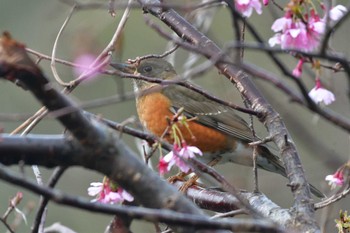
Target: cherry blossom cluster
[
  {"x": 301, "y": 28},
  {"x": 181, "y": 152},
  {"x": 108, "y": 192},
  {"x": 340, "y": 177},
  {"x": 178, "y": 157}
]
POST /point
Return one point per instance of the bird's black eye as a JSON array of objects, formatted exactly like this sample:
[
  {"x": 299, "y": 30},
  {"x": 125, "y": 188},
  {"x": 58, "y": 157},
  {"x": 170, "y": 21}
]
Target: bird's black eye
[{"x": 147, "y": 69}]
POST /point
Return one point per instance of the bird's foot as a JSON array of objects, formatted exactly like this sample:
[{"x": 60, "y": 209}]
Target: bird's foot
[
  {"x": 186, "y": 183},
  {"x": 178, "y": 177},
  {"x": 190, "y": 182}
]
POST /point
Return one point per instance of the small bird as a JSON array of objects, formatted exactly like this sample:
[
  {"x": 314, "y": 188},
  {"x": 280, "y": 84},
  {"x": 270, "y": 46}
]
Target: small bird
[{"x": 215, "y": 129}]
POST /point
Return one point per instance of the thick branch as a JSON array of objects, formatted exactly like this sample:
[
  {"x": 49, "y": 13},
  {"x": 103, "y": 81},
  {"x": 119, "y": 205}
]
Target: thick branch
[{"x": 225, "y": 202}]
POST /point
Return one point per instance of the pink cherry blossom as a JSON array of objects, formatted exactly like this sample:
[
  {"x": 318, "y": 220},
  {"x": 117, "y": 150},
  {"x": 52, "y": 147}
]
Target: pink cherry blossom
[
  {"x": 336, "y": 179},
  {"x": 163, "y": 166},
  {"x": 295, "y": 34},
  {"x": 178, "y": 157},
  {"x": 189, "y": 151},
  {"x": 95, "y": 188},
  {"x": 282, "y": 24},
  {"x": 174, "y": 158},
  {"x": 84, "y": 61},
  {"x": 104, "y": 193},
  {"x": 265, "y": 2},
  {"x": 315, "y": 29},
  {"x": 319, "y": 94},
  {"x": 182, "y": 164},
  {"x": 125, "y": 195},
  {"x": 289, "y": 34},
  {"x": 245, "y": 7},
  {"x": 302, "y": 32}
]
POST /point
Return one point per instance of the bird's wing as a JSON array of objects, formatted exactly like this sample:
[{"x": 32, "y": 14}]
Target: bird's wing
[
  {"x": 224, "y": 119},
  {"x": 208, "y": 112}
]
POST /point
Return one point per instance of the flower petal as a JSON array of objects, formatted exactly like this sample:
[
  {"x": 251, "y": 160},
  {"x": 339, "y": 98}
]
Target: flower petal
[
  {"x": 195, "y": 149},
  {"x": 127, "y": 196},
  {"x": 319, "y": 95},
  {"x": 337, "y": 12},
  {"x": 95, "y": 188}
]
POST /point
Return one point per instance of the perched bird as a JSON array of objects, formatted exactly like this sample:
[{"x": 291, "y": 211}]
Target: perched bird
[{"x": 215, "y": 129}]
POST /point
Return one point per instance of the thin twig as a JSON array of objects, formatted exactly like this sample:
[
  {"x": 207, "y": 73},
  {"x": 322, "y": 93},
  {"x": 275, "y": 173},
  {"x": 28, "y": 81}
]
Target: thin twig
[
  {"x": 41, "y": 213},
  {"x": 229, "y": 214},
  {"x": 332, "y": 199},
  {"x": 166, "y": 53},
  {"x": 111, "y": 45},
  {"x": 7, "y": 225},
  {"x": 53, "y": 61}
]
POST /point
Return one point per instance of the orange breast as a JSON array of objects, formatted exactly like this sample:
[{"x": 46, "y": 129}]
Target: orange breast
[{"x": 153, "y": 110}]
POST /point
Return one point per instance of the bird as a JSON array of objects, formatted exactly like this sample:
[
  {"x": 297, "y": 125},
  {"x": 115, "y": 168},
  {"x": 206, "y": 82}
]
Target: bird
[{"x": 216, "y": 129}]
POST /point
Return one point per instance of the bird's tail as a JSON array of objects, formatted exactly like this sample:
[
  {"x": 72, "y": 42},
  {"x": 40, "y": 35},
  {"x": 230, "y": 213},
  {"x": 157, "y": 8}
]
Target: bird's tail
[
  {"x": 316, "y": 192},
  {"x": 270, "y": 162}
]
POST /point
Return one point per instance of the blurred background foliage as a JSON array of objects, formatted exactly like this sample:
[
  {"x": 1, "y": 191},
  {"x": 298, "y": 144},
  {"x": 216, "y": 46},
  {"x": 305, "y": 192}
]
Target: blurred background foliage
[{"x": 322, "y": 146}]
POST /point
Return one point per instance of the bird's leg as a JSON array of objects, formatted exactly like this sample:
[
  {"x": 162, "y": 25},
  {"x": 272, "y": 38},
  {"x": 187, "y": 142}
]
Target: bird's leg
[
  {"x": 255, "y": 169},
  {"x": 192, "y": 181},
  {"x": 179, "y": 176},
  {"x": 255, "y": 146}
]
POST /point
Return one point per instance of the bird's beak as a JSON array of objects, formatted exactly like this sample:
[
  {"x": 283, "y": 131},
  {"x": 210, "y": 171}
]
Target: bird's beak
[{"x": 124, "y": 67}]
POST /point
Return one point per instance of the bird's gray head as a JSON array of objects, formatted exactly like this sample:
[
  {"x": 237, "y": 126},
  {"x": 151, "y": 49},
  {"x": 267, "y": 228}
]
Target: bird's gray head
[
  {"x": 156, "y": 67},
  {"x": 149, "y": 67}
]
